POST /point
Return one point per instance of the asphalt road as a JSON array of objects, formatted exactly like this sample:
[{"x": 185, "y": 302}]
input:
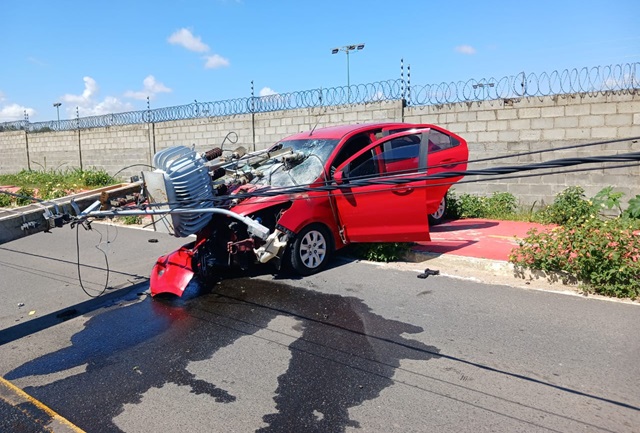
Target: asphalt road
[{"x": 359, "y": 347}]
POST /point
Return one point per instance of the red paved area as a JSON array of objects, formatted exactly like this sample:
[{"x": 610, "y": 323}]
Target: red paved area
[{"x": 486, "y": 239}]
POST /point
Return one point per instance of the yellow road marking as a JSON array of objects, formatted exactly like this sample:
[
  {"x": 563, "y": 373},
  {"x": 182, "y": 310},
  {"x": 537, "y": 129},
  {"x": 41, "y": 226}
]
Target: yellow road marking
[{"x": 14, "y": 396}]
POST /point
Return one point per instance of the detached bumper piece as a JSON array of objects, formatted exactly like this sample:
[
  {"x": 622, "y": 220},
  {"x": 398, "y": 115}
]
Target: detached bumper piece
[{"x": 173, "y": 272}]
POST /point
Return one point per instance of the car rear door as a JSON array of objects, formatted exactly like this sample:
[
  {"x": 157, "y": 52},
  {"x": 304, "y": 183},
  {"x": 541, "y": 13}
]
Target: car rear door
[
  {"x": 446, "y": 152},
  {"x": 384, "y": 212}
]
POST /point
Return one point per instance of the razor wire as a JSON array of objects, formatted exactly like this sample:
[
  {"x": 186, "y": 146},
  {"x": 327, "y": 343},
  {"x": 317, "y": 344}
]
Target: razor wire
[
  {"x": 594, "y": 81},
  {"x": 587, "y": 81}
]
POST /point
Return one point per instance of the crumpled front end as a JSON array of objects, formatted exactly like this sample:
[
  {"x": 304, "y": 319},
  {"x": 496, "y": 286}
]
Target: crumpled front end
[{"x": 173, "y": 272}]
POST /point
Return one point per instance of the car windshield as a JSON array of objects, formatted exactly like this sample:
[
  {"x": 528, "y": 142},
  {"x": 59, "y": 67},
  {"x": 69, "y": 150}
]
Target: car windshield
[{"x": 306, "y": 165}]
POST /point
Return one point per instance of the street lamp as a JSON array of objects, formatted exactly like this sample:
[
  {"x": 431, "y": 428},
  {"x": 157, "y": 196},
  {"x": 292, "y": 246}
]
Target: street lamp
[
  {"x": 57, "y": 105},
  {"x": 482, "y": 86},
  {"x": 347, "y": 49}
]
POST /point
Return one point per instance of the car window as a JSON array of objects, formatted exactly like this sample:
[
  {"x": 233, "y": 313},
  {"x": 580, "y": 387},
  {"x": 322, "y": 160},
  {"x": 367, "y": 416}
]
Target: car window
[
  {"x": 439, "y": 141},
  {"x": 351, "y": 147},
  {"x": 396, "y": 156}
]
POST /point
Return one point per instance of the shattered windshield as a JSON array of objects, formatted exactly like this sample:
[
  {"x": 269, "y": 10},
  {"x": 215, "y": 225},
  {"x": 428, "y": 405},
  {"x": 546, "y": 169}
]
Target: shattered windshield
[{"x": 302, "y": 166}]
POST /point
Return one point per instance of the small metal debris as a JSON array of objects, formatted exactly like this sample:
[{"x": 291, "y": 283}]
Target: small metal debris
[
  {"x": 153, "y": 241},
  {"x": 32, "y": 312},
  {"x": 20, "y": 304},
  {"x": 428, "y": 272}
]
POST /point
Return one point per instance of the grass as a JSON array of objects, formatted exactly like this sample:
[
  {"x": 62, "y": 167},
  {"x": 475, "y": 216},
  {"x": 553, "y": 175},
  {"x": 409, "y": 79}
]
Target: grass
[{"x": 48, "y": 184}]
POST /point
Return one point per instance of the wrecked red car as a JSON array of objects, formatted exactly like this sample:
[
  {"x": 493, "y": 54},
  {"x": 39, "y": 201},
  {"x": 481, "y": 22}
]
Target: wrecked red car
[{"x": 297, "y": 202}]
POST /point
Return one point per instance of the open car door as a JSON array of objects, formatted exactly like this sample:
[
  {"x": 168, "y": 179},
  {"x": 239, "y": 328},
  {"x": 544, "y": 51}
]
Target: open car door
[{"x": 385, "y": 213}]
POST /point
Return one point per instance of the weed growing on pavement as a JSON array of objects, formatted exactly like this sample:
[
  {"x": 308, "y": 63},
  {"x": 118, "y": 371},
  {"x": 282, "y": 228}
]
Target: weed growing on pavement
[
  {"x": 131, "y": 220},
  {"x": 382, "y": 252}
]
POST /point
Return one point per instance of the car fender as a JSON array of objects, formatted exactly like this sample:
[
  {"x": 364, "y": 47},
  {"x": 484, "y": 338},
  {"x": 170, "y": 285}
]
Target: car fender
[
  {"x": 173, "y": 272},
  {"x": 308, "y": 209}
]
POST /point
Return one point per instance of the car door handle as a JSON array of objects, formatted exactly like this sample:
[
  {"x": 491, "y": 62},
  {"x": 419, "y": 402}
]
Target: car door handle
[
  {"x": 403, "y": 190},
  {"x": 445, "y": 165}
]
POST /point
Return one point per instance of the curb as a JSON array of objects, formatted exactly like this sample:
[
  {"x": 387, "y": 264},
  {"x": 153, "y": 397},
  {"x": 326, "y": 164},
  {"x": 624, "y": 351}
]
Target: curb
[
  {"x": 500, "y": 272},
  {"x": 39, "y": 415}
]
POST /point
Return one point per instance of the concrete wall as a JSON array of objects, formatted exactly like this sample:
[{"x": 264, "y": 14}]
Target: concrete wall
[
  {"x": 509, "y": 127},
  {"x": 13, "y": 151},
  {"x": 54, "y": 150},
  {"x": 492, "y": 128}
]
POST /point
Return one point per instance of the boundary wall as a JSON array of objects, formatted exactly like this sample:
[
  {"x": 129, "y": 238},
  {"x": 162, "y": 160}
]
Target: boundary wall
[{"x": 492, "y": 128}]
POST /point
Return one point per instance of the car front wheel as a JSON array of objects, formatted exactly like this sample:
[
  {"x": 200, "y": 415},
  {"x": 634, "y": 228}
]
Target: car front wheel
[
  {"x": 311, "y": 250},
  {"x": 438, "y": 216}
]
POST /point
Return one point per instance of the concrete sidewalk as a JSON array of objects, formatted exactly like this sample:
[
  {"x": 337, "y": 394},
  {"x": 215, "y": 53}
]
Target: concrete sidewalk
[{"x": 479, "y": 249}]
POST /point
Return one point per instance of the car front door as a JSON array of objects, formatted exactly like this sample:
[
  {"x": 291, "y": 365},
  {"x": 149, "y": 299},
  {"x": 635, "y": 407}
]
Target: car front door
[{"x": 381, "y": 212}]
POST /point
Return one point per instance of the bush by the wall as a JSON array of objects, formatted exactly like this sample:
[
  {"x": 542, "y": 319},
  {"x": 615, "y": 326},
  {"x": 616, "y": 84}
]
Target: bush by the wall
[
  {"x": 499, "y": 205},
  {"x": 601, "y": 251}
]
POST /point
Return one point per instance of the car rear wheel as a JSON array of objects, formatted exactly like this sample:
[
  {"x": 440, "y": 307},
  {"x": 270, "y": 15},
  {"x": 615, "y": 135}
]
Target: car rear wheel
[
  {"x": 438, "y": 216},
  {"x": 311, "y": 250}
]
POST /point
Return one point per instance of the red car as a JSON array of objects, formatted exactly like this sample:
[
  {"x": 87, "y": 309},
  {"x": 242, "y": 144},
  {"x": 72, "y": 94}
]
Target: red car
[{"x": 303, "y": 198}]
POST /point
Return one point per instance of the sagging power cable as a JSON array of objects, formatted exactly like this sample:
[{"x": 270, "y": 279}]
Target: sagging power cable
[
  {"x": 399, "y": 180},
  {"x": 87, "y": 226}
]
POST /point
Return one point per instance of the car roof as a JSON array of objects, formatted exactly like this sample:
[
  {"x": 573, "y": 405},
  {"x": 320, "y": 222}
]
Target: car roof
[{"x": 340, "y": 131}]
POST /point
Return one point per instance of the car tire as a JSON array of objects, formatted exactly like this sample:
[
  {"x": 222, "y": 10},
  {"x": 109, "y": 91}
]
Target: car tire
[
  {"x": 311, "y": 250},
  {"x": 438, "y": 216}
]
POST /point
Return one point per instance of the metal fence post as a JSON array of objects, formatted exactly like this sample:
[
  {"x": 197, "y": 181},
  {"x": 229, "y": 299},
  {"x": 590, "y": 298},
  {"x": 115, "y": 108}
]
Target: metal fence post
[
  {"x": 253, "y": 117},
  {"x": 79, "y": 140}
]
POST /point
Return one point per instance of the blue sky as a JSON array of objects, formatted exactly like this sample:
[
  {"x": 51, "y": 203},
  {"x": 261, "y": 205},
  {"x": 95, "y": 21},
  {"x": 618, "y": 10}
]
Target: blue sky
[{"x": 109, "y": 56}]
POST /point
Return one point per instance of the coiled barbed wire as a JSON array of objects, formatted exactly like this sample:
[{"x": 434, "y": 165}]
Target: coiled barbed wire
[
  {"x": 599, "y": 80},
  {"x": 588, "y": 81}
]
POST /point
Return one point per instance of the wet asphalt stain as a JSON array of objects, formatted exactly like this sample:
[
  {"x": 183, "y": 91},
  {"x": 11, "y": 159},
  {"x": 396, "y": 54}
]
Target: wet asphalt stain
[{"x": 347, "y": 354}]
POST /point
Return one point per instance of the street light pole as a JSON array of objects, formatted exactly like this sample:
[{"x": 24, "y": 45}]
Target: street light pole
[
  {"x": 346, "y": 49},
  {"x": 57, "y": 105},
  {"x": 483, "y": 86}
]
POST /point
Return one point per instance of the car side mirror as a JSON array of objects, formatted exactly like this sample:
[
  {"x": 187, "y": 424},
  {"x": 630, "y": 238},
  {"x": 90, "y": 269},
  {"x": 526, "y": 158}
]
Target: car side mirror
[{"x": 341, "y": 176}]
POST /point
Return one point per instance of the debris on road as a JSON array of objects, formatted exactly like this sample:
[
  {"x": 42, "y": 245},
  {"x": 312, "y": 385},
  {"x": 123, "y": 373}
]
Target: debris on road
[{"x": 428, "y": 272}]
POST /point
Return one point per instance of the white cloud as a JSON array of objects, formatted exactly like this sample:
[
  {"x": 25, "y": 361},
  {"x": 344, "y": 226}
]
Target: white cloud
[
  {"x": 465, "y": 49},
  {"x": 216, "y": 61},
  {"x": 13, "y": 112},
  {"x": 90, "y": 90},
  {"x": 151, "y": 88},
  {"x": 89, "y": 105},
  {"x": 267, "y": 91},
  {"x": 186, "y": 39},
  {"x": 109, "y": 105}
]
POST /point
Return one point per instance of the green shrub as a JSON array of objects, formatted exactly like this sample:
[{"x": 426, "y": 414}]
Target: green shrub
[
  {"x": 604, "y": 254},
  {"x": 382, "y": 252},
  {"x": 6, "y": 200},
  {"x": 94, "y": 177},
  {"x": 570, "y": 207},
  {"x": 26, "y": 192},
  {"x": 633, "y": 210},
  {"x": 500, "y": 205}
]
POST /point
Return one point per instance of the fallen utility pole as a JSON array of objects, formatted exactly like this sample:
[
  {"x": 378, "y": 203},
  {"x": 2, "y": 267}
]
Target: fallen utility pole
[{"x": 42, "y": 216}]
